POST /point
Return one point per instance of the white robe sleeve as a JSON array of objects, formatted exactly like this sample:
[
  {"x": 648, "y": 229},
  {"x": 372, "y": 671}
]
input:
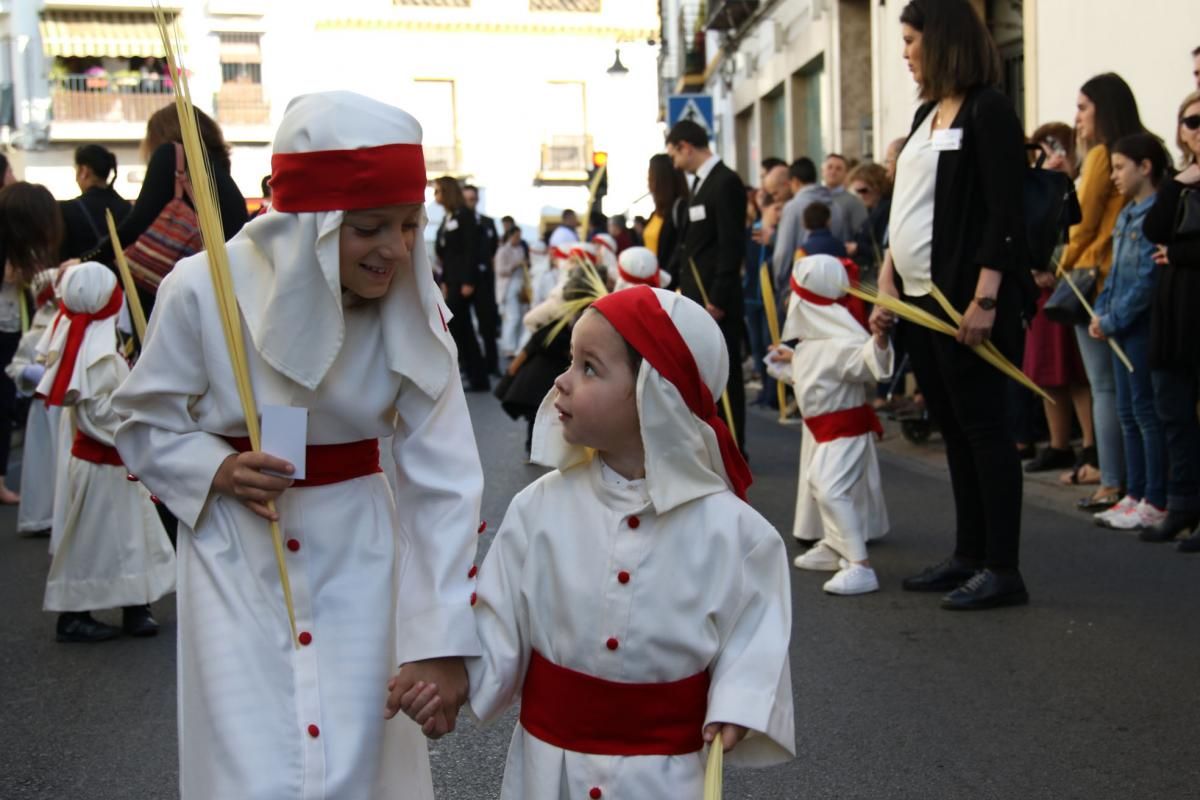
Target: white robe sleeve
[
  {"x": 751, "y": 680},
  {"x": 868, "y": 364},
  {"x": 502, "y": 618},
  {"x": 159, "y": 439},
  {"x": 439, "y": 483},
  {"x": 94, "y": 415}
]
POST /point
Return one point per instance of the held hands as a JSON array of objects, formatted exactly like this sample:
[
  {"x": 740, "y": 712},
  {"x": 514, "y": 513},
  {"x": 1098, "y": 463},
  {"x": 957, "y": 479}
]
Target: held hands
[
  {"x": 430, "y": 692},
  {"x": 1160, "y": 256},
  {"x": 730, "y": 734},
  {"x": 242, "y": 476},
  {"x": 881, "y": 322},
  {"x": 976, "y": 325}
]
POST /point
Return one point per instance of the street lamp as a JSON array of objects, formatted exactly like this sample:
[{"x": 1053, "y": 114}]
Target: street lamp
[{"x": 617, "y": 67}]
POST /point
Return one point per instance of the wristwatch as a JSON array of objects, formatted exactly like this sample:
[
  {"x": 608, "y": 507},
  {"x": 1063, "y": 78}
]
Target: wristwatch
[{"x": 986, "y": 303}]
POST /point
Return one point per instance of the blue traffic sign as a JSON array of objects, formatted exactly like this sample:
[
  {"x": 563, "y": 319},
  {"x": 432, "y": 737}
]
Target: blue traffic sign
[{"x": 695, "y": 107}]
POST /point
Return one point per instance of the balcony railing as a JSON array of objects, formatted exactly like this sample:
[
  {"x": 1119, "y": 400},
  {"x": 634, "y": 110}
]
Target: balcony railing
[
  {"x": 242, "y": 104},
  {"x": 108, "y": 98},
  {"x": 567, "y": 156}
]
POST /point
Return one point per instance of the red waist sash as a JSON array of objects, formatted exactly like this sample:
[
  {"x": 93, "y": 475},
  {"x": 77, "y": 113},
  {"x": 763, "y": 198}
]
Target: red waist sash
[
  {"x": 85, "y": 448},
  {"x": 585, "y": 714},
  {"x": 844, "y": 424},
  {"x": 330, "y": 463}
]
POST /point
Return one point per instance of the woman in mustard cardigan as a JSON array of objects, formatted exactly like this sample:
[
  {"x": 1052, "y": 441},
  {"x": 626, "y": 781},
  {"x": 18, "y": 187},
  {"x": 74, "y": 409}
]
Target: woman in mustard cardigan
[{"x": 1106, "y": 112}]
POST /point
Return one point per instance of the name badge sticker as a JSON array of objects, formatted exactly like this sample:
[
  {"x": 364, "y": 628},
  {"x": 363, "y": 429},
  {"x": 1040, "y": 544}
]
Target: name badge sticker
[
  {"x": 696, "y": 213},
  {"x": 949, "y": 139},
  {"x": 451, "y": 224}
]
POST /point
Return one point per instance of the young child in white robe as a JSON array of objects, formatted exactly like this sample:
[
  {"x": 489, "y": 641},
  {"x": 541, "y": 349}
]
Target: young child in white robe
[
  {"x": 549, "y": 309},
  {"x": 111, "y": 549},
  {"x": 36, "y": 510},
  {"x": 833, "y": 370},
  {"x": 638, "y": 266},
  {"x": 632, "y": 599},
  {"x": 341, "y": 319}
]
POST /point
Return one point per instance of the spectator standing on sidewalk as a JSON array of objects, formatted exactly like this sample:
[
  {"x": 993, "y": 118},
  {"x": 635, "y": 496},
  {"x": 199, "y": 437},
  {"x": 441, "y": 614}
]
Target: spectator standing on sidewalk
[
  {"x": 458, "y": 251},
  {"x": 834, "y": 172}
]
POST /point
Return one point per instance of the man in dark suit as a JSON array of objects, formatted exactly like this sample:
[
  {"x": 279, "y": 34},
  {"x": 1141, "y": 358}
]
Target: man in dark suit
[
  {"x": 715, "y": 241},
  {"x": 487, "y": 315}
]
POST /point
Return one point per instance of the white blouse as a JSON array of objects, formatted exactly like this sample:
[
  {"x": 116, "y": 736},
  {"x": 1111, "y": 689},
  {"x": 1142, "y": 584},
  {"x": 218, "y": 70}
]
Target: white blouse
[{"x": 910, "y": 230}]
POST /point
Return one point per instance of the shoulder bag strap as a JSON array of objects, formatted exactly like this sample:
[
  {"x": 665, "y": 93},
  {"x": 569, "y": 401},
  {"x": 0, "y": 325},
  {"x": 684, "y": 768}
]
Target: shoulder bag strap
[{"x": 183, "y": 184}]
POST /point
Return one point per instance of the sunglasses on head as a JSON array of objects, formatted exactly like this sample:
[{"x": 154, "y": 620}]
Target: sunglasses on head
[{"x": 1192, "y": 122}]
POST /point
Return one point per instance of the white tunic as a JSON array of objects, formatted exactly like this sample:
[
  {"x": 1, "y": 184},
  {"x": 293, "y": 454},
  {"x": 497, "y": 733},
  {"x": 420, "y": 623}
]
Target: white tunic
[
  {"x": 111, "y": 549},
  {"x": 377, "y": 579},
  {"x": 38, "y": 453},
  {"x": 840, "y": 495},
  {"x": 708, "y": 589}
]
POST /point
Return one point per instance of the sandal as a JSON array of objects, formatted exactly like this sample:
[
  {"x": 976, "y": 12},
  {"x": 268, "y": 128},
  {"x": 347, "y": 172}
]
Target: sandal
[
  {"x": 1082, "y": 475},
  {"x": 1104, "y": 498}
]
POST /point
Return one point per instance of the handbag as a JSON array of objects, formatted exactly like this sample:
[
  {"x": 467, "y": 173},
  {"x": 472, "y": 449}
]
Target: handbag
[
  {"x": 1063, "y": 306},
  {"x": 1187, "y": 214},
  {"x": 174, "y": 234}
]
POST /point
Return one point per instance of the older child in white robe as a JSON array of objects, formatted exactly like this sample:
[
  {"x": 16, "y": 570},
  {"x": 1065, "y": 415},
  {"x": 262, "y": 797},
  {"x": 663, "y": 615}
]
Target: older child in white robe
[
  {"x": 632, "y": 599},
  {"x": 111, "y": 549},
  {"x": 834, "y": 368},
  {"x": 342, "y": 318}
]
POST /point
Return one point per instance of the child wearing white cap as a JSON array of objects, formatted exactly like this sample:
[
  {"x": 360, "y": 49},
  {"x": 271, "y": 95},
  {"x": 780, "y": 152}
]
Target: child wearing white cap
[
  {"x": 659, "y": 618},
  {"x": 342, "y": 318},
  {"x": 110, "y": 548},
  {"x": 638, "y": 266},
  {"x": 833, "y": 368}
]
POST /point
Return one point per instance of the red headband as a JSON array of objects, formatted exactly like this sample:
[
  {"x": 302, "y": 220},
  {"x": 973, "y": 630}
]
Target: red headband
[
  {"x": 854, "y": 305},
  {"x": 79, "y": 324},
  {"x": 596, "y": 240},
  {"x": 345, "y": 180},
  {"x": 641, "y": 321},
  {"x": 634, "y": 279}
]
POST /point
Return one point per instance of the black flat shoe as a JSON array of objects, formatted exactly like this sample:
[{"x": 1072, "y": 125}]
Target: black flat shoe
[
  {"x": 137, "y": 621},
  {"x": 1051, "y": 458},
  {"x": 943, "y": 577},
  {"x": 1177, "y": 522},
  {"x": 1027, "y": 452},
  {"x": 1191, "y": 544},
  {"x": 988, "y": 589},
  {"x": 80, "y": 627}
]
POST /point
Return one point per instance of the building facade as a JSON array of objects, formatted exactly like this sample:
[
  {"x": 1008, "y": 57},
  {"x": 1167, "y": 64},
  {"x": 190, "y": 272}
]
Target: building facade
[{"x": 515, "y": 96}]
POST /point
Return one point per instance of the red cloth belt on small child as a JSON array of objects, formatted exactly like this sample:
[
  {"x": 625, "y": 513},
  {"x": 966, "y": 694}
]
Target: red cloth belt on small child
[
  {"x": 585, "y": 714},
  {"x": 329, "y": 463},
  {"x": 85, "y": 448},
  {"x": 844, "y": 424}
]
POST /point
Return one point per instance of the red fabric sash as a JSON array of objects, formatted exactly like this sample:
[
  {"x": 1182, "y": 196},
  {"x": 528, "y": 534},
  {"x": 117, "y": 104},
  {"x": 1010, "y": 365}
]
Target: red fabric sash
[
  {"x": 79, "y": 325},
  {"x": 844, "y": 424},
  {"x": 559, "y": 254},
  {"x": 634, "y": 279},
  {"x": 584, "y": 714},
  {"x": 85, "y": 448},
  {"x": 344, "y": 180},
  {"x": 330, "y": 463},
  {"x": 854, "y": 305},
  {"x": 641, "y": 321}
]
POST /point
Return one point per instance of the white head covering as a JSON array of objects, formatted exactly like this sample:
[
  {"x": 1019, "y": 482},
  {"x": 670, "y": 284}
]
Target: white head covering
[
  {"x": 683, "y": 456},
  {"x": 606, "y": 251},
  {"x": 84, "y": 289},
  {"x": 824, "y": 276},
  {"x": 286, "y": 265},
  {"x": 640, "y": 263}
]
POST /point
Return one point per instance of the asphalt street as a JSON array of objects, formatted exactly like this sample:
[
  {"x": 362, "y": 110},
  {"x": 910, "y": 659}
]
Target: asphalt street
[{"x": 1087, "y": 693}]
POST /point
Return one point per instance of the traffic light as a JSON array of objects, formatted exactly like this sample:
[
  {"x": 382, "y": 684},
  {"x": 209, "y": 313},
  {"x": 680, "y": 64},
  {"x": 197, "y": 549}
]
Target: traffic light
[{"x": 598, "y": 176}]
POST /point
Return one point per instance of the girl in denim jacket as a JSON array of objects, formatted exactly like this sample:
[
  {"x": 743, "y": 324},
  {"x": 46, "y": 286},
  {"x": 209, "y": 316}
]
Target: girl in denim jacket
[{"x": 1139, "y": 163}]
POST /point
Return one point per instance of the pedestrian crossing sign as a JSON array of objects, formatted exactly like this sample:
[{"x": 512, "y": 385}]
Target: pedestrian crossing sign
[{"x": 695, "y": 107}]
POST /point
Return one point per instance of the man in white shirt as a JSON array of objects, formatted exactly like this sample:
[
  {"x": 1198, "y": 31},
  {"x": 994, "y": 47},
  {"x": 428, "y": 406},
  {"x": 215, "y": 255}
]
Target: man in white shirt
[{"x": 565, "y": 234}]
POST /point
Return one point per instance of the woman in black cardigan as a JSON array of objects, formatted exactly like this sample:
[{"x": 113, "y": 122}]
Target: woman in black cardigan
[
  {"x": 1174, "y": 347},
  {"x": 957, "y": 224}
]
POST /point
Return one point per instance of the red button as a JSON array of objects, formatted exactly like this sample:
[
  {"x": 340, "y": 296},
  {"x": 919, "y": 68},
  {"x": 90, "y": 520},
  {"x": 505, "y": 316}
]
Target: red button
[
  {"x": 154, "y": 499},
  {"x": 634, "y": 522},
  {"x": 305, "y": 638},
  {"x": 595, "y": 793},
  {"x": 314, "y": 731},
  {"x": 293, "y": 545},
  {"x": 613, "y": 644},
  {"x": 472, "y": 572},
  {"x": 482, "y": 526},
  {"x": 623, "y": 577},
  {"x": 131, "y": 478},
  {"x": 473, "y": 598}
]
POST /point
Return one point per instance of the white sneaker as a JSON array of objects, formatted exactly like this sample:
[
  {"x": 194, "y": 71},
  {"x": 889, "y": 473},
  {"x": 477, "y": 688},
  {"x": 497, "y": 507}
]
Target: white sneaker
[
  {"x": 819, "y": 558},
  {"x": 854, "y": 579},
  {"x": 1127, "y": 507},
  {"x": 1143, "y": 516},
  {"x": 1150, "y": 515}
]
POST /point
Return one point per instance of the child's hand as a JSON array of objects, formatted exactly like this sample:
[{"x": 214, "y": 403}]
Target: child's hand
[
  {"x": 243, "y": 476},
  {"x": 881, "y": 340},
  {"x": 420, "y": 701},
  {"x": 730, "y": 734},
  {"x": 408, "y": 690}
]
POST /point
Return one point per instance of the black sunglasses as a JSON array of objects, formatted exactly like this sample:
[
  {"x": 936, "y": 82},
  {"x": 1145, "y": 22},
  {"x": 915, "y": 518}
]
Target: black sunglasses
[{"x": 1192, "y": 122}]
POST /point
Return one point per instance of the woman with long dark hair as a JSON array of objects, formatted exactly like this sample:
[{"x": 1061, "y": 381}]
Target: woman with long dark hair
[
  {"x": 84, "y": 225},
  {"x": 669, "y": 190},
  {"x": 957, "y": 225},
  {"x": 458, "y": 250}
]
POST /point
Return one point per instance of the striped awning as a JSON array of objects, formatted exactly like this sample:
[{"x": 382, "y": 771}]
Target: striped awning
[{"x": 100, "y": 34}]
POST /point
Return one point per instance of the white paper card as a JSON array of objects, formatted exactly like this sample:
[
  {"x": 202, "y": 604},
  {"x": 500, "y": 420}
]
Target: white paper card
[
  {"x": 451, "y": 224},
  {"x": 285, "y": 435},
  {"x": 949, "y": 139},
  {"x": 696, "y": 213}
]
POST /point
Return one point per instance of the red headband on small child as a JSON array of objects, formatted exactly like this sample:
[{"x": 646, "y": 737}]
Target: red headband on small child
[{"x": 640, "y": 319}]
